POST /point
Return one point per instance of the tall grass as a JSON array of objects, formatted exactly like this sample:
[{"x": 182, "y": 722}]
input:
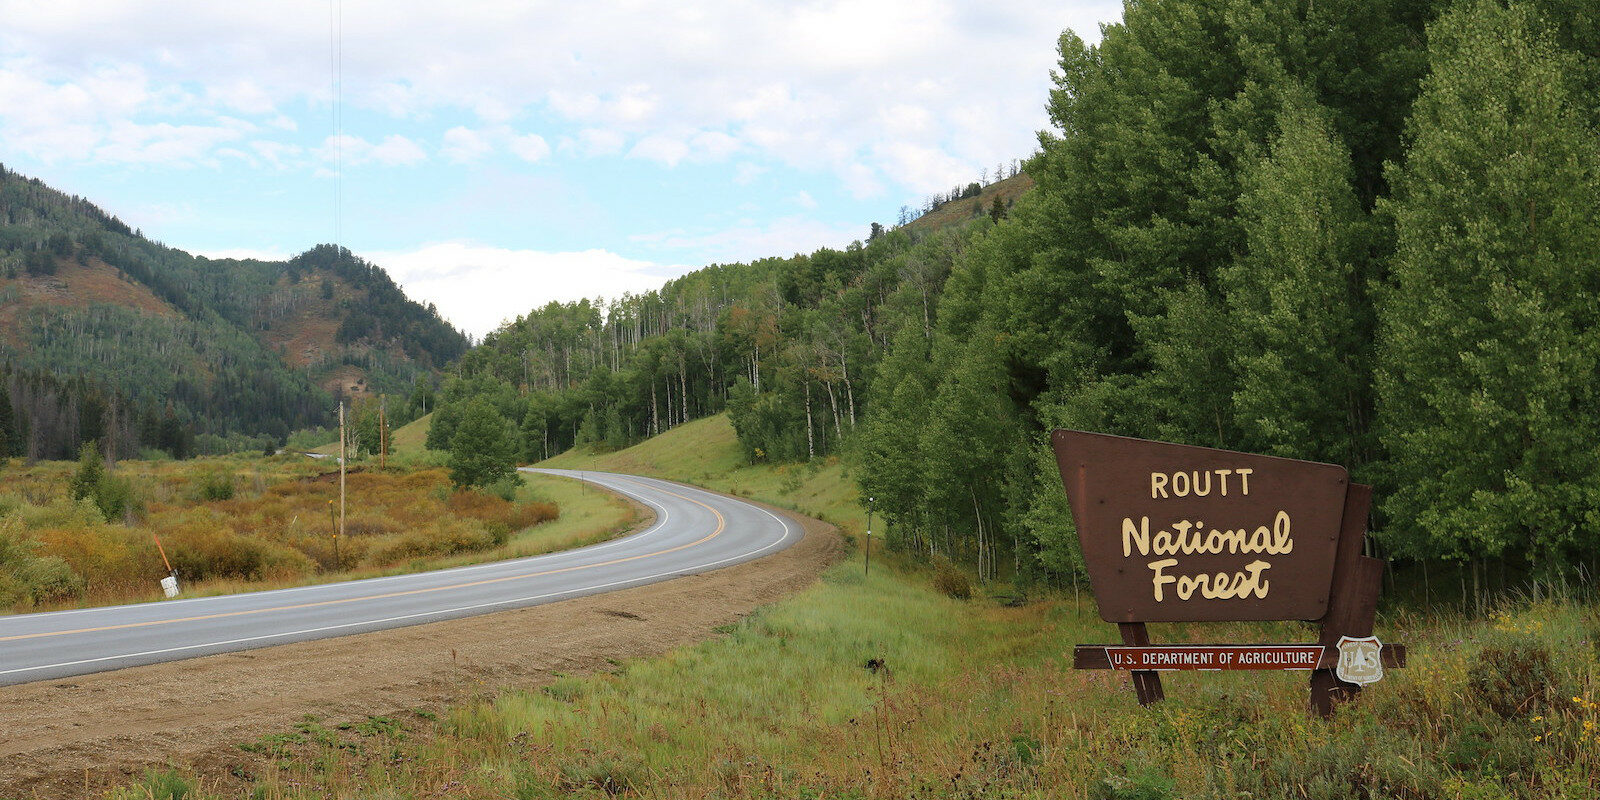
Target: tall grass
[
  {"x": 883, "y": 687},
  {"x": 274, "y": 525}
]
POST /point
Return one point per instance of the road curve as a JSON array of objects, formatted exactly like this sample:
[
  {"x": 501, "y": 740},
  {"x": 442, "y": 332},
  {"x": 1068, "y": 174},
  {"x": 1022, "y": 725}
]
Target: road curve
[{"x": 694, "y": 531}]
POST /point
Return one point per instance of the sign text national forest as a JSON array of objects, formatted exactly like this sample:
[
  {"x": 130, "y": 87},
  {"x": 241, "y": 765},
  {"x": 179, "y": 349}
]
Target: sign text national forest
[{"x": 1176, "y": 533}]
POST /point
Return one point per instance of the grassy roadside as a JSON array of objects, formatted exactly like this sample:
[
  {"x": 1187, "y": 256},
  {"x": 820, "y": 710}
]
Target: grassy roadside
[
  {"x": 237, "y": 524},
  {"x": 706, "y": 453},
  {"x": 882, "y": 687}
]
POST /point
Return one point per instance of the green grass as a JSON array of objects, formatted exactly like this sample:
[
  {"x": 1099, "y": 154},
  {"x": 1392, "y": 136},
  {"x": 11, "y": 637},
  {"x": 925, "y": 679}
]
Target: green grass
[
  {"x": 882, "y": 687},
  {"x": 408, "y": 439},
  {"x": 405, "y": 442},
  {"x": 706, "y": 453}
]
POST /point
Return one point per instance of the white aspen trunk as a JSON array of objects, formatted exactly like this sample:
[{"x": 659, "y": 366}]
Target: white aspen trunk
[
  {"x": 811, "y": 441},
  {"x": 838, "y": 430},
  {"x": 849, "y": 390}
]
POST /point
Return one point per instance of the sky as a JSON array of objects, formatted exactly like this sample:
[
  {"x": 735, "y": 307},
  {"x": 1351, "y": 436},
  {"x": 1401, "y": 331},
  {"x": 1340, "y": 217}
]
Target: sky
[{"x": 495, "y": 156}]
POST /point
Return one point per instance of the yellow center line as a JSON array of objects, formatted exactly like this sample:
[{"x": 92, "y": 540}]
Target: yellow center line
[{"x": 721, "y": 525}]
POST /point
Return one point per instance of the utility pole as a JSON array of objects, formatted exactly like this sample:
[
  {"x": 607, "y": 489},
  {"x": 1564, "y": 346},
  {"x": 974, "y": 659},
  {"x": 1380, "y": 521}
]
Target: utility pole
[
  {"x": 342, "y": 441},
  {"x": 868, "y": 570},
  {"x": 334, "y": 524},
  {"x": 383, "y": 431}
]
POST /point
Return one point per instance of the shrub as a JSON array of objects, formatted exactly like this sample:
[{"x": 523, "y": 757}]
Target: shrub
[
  {"x": 48, "y": 579},
  {"x": 611, "y": 773},
  {"x": 1514, "y": 675},
  {"x": 27, "y": 578},
  {"x": 1144, "y": 784},
  {"x": 115, "y": 498},
  {"x": 505, "y": 488},
  {"x": 949, "y": 580},
  {"x": 318, "y": 550},
  {"x": 216, "y": 485},
  {"x": 369, "y": 525},
  {"x": 166, "y": 785},
  {"x": 205, "y": 549},
  {"x": 448, "y": 537}
]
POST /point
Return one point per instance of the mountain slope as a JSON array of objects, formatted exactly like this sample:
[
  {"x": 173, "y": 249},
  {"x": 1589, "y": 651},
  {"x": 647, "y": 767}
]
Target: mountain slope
[{"x": 220, "y": 347}]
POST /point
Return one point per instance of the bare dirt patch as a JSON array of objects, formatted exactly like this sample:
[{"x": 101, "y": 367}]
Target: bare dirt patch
[
  {"x": 75, "y": 286},
  {"x": 76, "y": 738}
]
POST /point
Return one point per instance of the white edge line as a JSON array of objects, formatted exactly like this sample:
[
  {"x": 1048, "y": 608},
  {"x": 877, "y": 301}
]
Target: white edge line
[
  {"x": 661, "y": 519},
  {"x": 575, "y": 592}
]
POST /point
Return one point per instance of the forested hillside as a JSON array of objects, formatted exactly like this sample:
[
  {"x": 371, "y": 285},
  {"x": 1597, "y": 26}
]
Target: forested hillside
[
  {"x": 106, "y": 335},
  {"x": 1361, "y": 233}
]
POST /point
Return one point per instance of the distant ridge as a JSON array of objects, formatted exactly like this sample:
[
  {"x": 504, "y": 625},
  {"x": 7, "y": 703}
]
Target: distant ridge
[{"x": 222, "y": 347}]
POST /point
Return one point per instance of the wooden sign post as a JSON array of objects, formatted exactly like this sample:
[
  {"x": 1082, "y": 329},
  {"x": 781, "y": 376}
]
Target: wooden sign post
[{"x": 1174, "y": 533}]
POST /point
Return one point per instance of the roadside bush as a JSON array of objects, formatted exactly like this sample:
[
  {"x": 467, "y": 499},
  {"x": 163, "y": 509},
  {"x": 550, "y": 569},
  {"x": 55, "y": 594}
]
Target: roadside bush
[
  {"x": 446, "y": 538},
  {"x": 218, "y": 552},
  {"x": 505, "y": 488},
  {"x": 318, "y": 549},
  {"x": 103, "y": 555},
  {"x": 949, "y": 580},
  {"x": 369, "y": 525},
  {"x": 27, "y": 578},
  {"x": 1514, "y": 675}
]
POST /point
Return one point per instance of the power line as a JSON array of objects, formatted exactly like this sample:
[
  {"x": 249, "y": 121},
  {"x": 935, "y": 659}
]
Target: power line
[{"x": 336, "y": 92}]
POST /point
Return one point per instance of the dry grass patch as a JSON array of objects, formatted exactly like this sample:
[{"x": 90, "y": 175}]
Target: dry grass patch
[{"x": 231, "y": 524}]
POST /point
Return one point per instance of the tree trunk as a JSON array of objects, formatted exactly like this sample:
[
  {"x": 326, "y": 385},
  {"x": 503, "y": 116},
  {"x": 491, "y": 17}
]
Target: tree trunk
[
  {"x": 811, "y": 441},
  {"x": 849, "y": 390},
  {"x": 833, "y": 401}
]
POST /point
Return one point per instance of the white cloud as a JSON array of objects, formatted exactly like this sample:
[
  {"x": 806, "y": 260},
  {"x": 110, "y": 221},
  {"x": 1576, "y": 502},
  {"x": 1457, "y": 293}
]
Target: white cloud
[
  {"x": 748, "y": 240},
  {"x": 595, "y": 142},
  {"x": 818, "y": 86},
  {"x": 354, "y": 151},
  {"x": 463, "y": 145},
  {"x": 664, "y": 150},
  {"x": 714, "y": 145},
  {"x": 530, "y": 148},
  {"x": 452, "y": 276},
  {"x": 747, "y": 173}
]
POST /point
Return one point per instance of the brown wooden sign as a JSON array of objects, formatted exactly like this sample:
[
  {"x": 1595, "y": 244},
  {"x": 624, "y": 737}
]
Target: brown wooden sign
[
  {"x": 1221, "y": 657},
  {"x": 1215, "y": 657},
  {"x": 1173, "y": 533}
]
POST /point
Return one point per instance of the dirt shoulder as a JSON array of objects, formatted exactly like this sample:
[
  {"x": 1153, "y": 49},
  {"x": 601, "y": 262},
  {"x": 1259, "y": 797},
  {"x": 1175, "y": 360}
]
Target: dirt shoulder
[{"x": 76, "y": 737}]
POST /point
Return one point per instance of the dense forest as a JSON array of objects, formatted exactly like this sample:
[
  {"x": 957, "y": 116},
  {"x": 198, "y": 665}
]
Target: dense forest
[
  {"x": 1360, "y": 233},
  {"x": 179, "y": 353}
]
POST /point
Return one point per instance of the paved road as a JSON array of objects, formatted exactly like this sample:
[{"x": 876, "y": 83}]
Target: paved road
[{"x": 695, "y": 531}]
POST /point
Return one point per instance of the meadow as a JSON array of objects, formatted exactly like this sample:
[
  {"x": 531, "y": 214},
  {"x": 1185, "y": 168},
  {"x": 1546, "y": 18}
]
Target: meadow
[
  {"x": 237, "y": 523},
  {"x": 881, "y": 685}
]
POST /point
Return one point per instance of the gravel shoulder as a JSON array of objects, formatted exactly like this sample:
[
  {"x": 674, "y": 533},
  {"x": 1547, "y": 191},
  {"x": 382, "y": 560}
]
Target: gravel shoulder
[{"x": 75, "y": 738}]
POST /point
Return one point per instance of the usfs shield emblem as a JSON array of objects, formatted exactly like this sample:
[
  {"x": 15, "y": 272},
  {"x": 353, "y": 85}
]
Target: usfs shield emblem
[{"x": 1360, "y": 660}]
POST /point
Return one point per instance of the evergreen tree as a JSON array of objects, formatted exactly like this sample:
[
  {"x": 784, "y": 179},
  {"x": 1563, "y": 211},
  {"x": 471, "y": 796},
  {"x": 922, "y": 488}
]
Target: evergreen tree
[
  {"x": 483, "y": 449},
  {"x": 10, "y": 440},
  {"x": 91, "y": 472}
]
